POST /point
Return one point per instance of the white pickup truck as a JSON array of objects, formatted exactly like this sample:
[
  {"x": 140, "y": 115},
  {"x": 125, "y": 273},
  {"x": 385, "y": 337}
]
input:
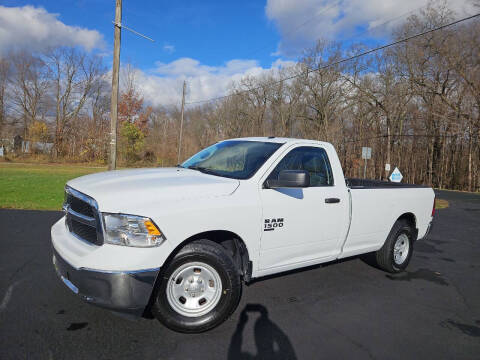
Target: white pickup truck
[{"x": 178, "y": 243}]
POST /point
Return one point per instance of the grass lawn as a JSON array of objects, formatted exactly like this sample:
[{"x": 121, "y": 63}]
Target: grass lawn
[
  {"x": 40, "y": 186},
  {"x": 32, "y": 186}
]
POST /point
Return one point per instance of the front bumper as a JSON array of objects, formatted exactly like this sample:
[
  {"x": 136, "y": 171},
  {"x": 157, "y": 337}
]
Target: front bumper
[{"x": 127, "y": 292}]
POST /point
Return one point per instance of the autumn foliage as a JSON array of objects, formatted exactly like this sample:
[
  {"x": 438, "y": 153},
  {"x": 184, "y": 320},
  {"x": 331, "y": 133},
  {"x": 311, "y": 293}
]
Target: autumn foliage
[
  {"x": 133, "y": 123},
  {"x": 416, "y": 104}
]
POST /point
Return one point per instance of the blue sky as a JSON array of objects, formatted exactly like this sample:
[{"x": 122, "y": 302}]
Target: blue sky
[
  {"x": 208, "y": 43},
  {"x": 209, "y": 31}
]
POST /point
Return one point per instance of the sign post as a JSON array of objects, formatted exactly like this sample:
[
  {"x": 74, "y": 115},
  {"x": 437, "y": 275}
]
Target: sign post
[{"x": 366, "y": 154}]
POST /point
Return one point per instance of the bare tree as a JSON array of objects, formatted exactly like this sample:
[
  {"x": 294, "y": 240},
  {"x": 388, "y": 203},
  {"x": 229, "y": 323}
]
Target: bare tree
[
  {"x": 4, "y": 78},
  {"x": 323, "y": 95},
  {"x": 416, "y": 104},
  {"x": 29, "y": 88},
  {"x": 74, "y": 75}
]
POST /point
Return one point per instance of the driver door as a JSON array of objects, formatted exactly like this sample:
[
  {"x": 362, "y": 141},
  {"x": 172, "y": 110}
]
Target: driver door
[{"x": 299, "y": 226}]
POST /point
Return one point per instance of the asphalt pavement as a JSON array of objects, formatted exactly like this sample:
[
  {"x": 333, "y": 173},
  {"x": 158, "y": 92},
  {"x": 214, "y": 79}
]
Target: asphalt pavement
[{"x": 342, "y": 310}]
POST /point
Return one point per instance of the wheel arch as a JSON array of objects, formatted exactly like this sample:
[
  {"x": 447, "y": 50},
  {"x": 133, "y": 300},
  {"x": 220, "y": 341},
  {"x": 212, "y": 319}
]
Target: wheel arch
[
  {"x": 230, "y": 241},
  {"x": 411, "y": 219},
  {"x": 234, "y": 245}
]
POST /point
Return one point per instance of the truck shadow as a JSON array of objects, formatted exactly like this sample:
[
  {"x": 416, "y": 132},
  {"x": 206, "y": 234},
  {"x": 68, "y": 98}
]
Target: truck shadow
[{"x": 271, "y": 342}]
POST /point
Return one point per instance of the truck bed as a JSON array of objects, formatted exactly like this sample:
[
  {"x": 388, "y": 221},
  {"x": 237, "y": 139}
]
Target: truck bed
[
  {"x": 355, "y": 183},
  {"x": 376, "y": 206}
]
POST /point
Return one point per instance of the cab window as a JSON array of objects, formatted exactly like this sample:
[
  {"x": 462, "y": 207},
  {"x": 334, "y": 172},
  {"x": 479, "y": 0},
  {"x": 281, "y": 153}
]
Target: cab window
[{"x": 308, "y": 158}]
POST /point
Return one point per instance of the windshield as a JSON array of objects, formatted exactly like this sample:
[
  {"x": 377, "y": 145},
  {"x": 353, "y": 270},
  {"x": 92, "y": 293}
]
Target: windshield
[{"x": 238, "y": 159}]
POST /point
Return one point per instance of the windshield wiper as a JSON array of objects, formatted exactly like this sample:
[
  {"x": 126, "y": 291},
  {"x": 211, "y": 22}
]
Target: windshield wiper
[{"x": 203, "y": 169}]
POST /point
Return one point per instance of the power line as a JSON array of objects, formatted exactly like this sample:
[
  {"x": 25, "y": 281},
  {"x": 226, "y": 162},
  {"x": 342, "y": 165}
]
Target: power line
[
  {"x": 386, "y": 22},
  {"x": 369, "y": 30},
  {"x": 296, "y": 28},
  {"x": 309, "y": 20},
  {"x": 338, "y": 62},
  {"x": 120, "y": 25}
]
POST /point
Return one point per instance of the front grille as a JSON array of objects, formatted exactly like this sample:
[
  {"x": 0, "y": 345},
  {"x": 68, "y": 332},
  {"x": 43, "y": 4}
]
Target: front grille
[
  {"x": 80, "y": 206},
  {"x": 83, "y": 231},
  {"x": 82, "y": 217}
]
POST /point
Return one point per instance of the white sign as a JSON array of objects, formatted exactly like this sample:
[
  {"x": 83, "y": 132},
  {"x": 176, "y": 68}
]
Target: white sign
[
  {"x": 387, "y": 167},
  {"x": 366, "y": 153},
  {"x": 396, "y": 175}
]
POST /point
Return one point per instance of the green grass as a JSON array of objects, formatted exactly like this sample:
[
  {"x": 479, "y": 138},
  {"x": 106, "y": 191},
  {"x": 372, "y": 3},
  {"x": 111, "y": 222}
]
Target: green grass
[
  {"x": 37, "y": 186},
  {"x": 40, "y": 186}
]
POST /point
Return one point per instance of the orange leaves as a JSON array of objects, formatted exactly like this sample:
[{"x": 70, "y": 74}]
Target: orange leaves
[{"x": 130, "y": 106}]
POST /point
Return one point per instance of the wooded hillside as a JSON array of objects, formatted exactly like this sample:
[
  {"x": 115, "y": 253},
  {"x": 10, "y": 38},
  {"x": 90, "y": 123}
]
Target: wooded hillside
[{"x": 417, "y": 105}]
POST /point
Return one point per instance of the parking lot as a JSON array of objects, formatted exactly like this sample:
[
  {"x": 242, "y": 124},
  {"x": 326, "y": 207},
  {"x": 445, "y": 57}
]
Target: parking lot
[{"x": 346, "y": 309}]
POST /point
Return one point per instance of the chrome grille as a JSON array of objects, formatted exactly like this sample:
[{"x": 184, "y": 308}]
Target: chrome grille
[
  {"x": 82, "y": 216},
  {"x": 80, "y": 206},
  {"x": 83, "y": 231}
]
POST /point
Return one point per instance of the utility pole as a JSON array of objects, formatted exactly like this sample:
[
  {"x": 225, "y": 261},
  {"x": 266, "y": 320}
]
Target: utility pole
[
  {"x": 181, "y": 122},
  {"x": 389, "y": 146},
  {"x": 112, "y": 156},
  {"x": 112, "y": 160}
]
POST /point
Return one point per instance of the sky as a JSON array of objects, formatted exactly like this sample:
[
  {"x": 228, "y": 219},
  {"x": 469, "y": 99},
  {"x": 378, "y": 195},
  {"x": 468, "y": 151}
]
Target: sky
[{"x": 208, "y": 43}]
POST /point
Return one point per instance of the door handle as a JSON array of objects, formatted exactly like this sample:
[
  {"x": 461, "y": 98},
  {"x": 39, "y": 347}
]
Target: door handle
[{"x": 332, "y": 200}]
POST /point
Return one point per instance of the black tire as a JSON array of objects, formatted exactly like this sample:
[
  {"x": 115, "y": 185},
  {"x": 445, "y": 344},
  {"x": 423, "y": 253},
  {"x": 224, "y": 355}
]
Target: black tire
[
  {"x": 214, "y": 255},
  {"x": 385, "y": 256}
]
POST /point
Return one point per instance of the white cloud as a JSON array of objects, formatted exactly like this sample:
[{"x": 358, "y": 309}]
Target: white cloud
[
  {"x": 163, "y": 85},
  {"x": 302, "y": 22},
  {"x": 170, "y": 49},
  {"x": 34, "y": 28}
]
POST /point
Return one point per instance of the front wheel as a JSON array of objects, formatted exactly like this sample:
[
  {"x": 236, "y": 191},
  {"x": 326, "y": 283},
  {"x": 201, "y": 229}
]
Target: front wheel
[
  {"x": 199, "y": 288},
  {"x": 395, "y": 254}
]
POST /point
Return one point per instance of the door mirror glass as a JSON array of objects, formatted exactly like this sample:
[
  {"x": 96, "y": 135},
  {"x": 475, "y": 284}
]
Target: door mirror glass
[{"x": 289, "y": 179}]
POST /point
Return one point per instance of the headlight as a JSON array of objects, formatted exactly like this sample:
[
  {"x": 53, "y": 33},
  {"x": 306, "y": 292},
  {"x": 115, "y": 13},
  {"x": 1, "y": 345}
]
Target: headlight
[{"x": 131, "y": 230}]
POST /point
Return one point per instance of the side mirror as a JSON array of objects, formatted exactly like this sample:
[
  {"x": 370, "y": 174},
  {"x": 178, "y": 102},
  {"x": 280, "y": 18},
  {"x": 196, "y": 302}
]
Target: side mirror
[{"x": 289, "y": 179}]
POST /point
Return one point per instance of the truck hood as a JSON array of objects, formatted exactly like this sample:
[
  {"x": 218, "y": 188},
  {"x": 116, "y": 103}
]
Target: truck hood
[{"x": 117, "y": 191}]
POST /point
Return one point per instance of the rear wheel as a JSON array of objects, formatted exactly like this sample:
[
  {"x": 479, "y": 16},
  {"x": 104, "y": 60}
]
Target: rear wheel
[
  {"x": 396, "y": 252},
  {"x": 199, "y": 288}
]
